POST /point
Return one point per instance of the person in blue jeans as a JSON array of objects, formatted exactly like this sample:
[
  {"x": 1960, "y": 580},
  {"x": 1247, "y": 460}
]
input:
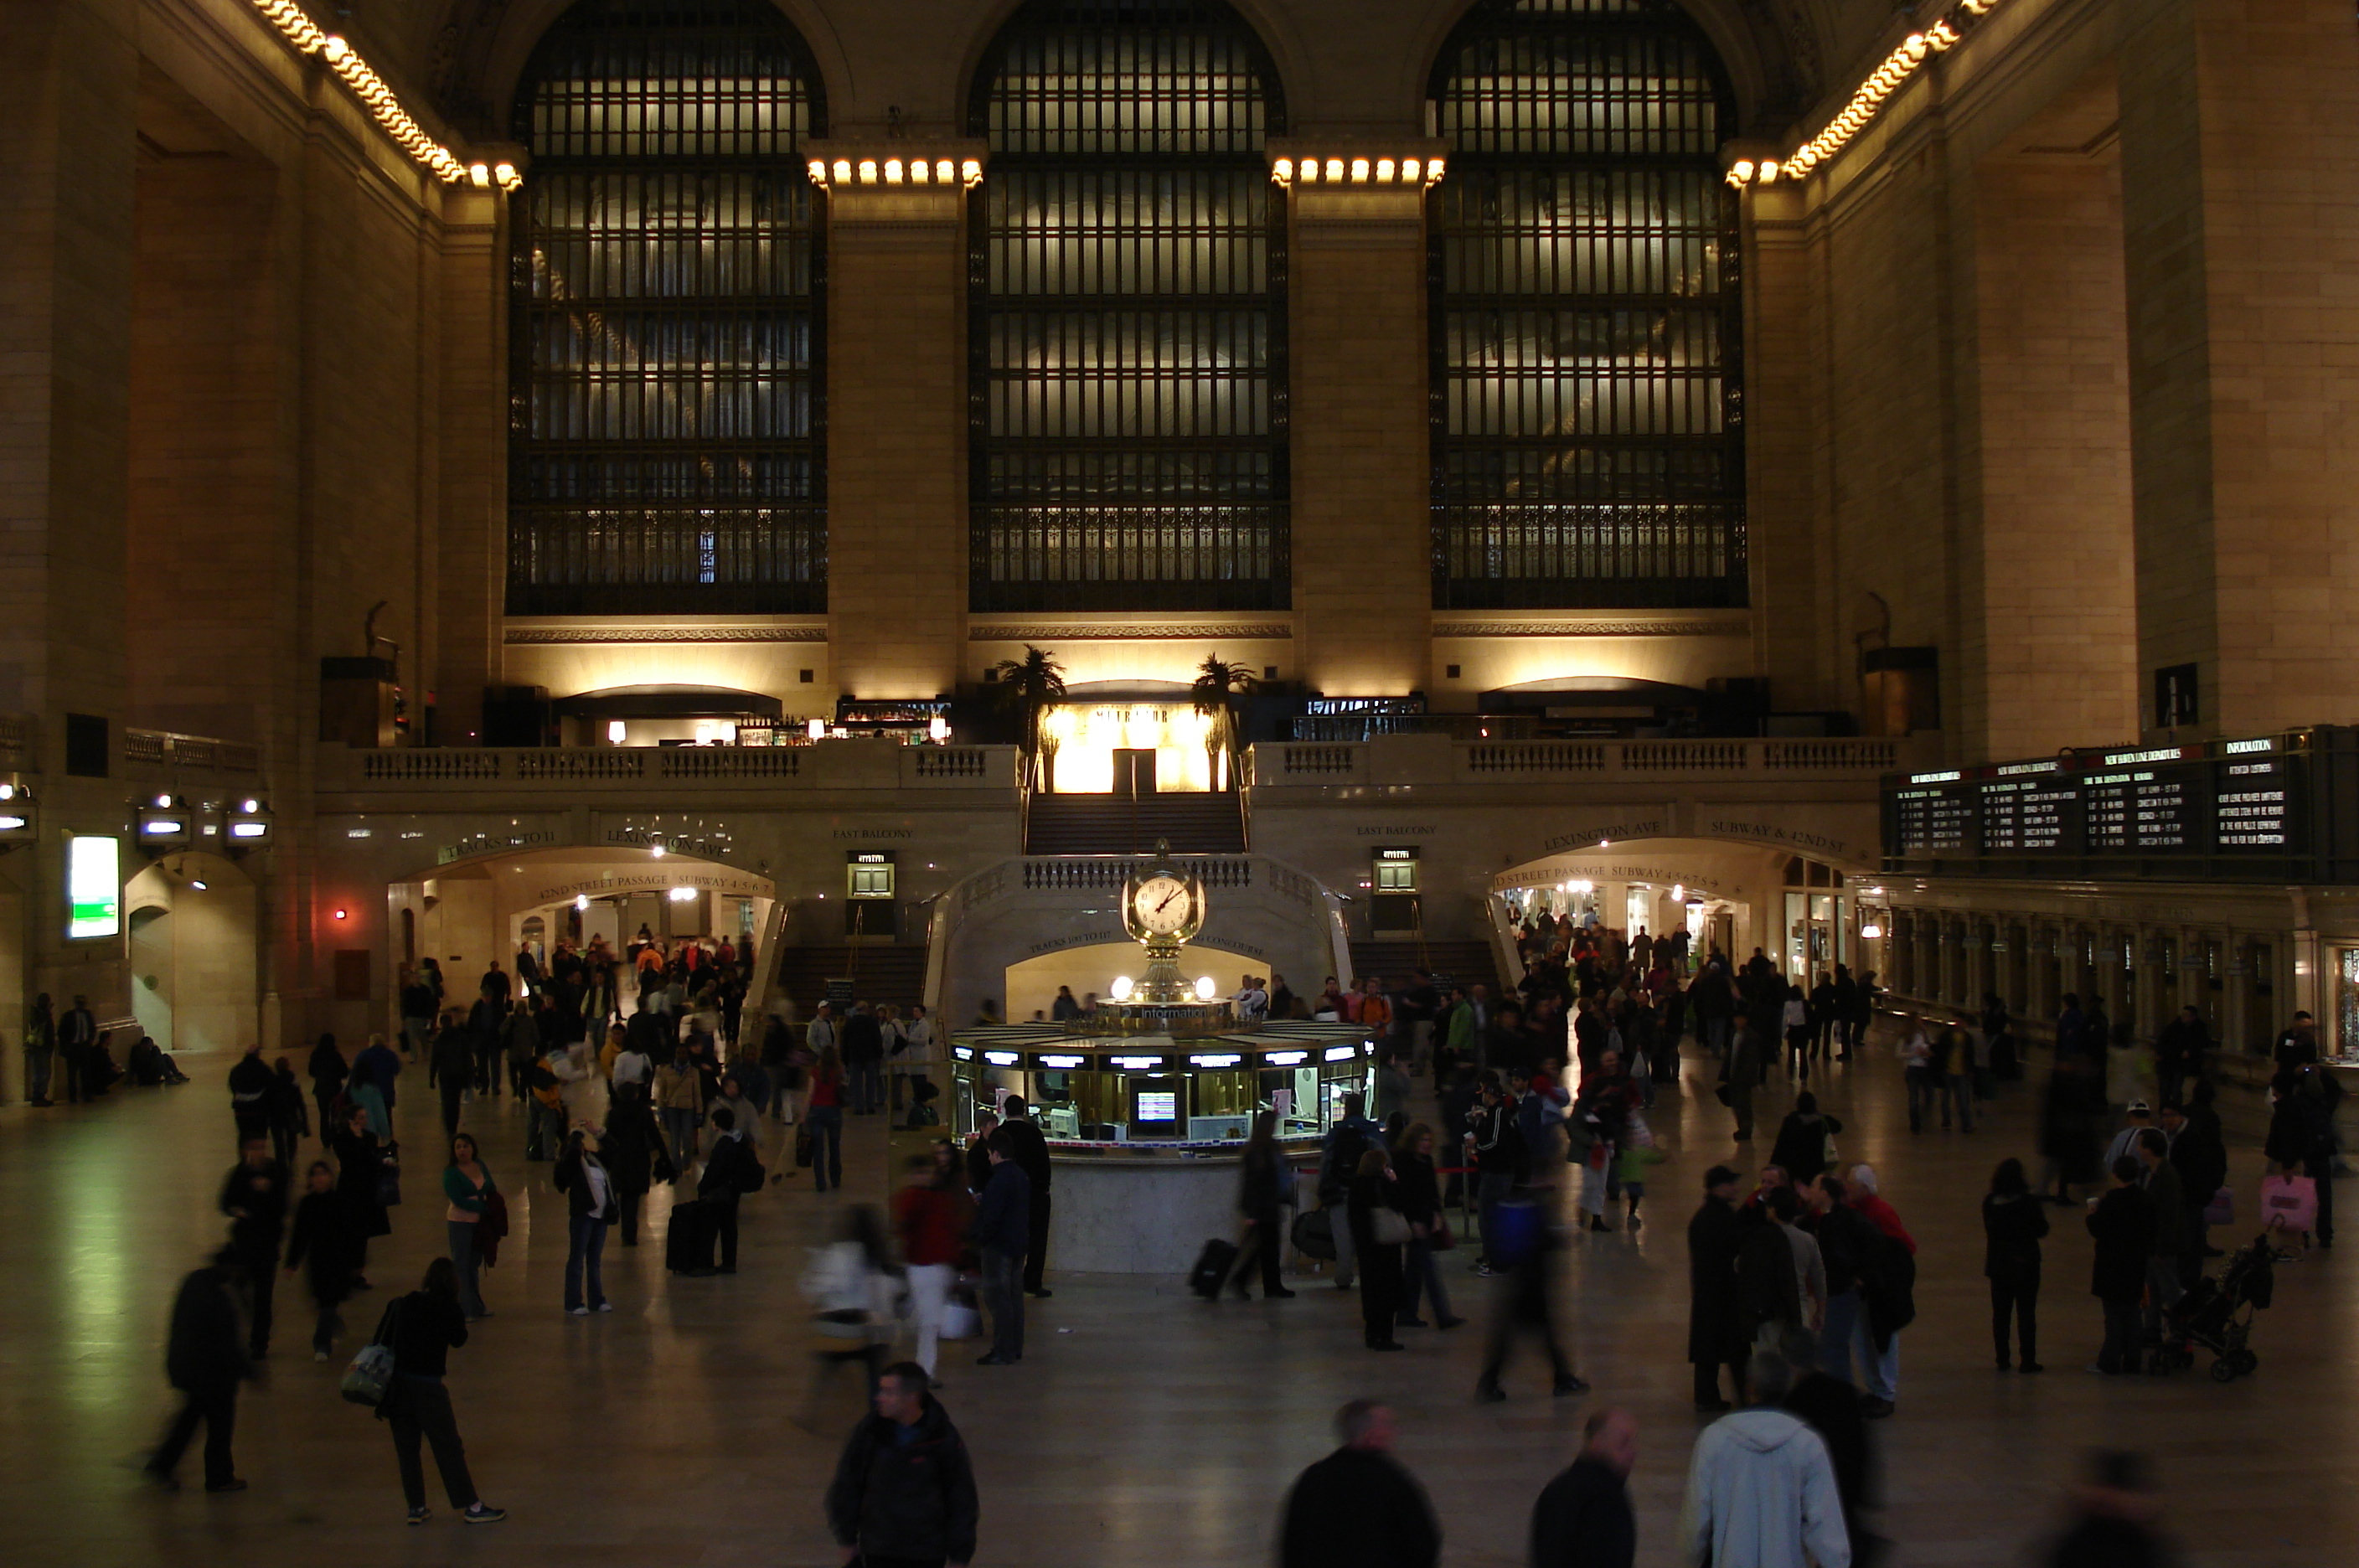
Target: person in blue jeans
[
  {"x": 825, "y": 1118},
  {"x": 590, "y": 1198}
]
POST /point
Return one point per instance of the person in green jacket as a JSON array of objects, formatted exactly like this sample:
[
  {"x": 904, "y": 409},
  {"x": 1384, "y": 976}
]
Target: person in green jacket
[{"x": 467, "y": 1183}]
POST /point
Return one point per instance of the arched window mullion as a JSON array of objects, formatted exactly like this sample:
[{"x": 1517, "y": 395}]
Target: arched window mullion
[
  {"x": 1588, "y": 438},
  {"x": 1127, "y": 314},
  {"x": 667, "y": 400}
]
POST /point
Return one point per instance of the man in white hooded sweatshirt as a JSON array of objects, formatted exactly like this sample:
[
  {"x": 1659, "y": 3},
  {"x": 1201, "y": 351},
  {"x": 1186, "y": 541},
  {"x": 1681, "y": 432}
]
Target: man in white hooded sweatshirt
[{"x": 1761, "y": 1491}]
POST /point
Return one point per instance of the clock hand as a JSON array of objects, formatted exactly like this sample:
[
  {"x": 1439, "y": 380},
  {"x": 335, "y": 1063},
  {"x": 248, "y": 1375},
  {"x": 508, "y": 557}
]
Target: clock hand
[{"x": 1167, "y": 898}]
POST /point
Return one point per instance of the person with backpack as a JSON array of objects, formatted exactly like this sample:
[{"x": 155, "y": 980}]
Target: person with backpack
[
  {"x": 731, "y": 1171},
  {"x": 422, "y": 1329},
  {"x": 903, "y": 1488},
  {"x": 1887, "y": 1285}
]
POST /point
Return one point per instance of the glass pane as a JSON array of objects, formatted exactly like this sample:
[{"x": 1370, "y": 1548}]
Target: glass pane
[
  {"x": 1128, "y": 316},
  {"x": 667, "y": 412},
  {"x": 1588, "y": 437}
]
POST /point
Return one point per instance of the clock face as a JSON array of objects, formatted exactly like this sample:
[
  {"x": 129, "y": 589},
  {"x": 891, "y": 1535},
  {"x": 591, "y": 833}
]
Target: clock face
[{"x": 1162, "y": 906}]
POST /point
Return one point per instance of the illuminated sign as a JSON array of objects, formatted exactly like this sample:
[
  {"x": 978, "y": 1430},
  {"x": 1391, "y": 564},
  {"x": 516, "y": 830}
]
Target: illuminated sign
[
  {"x": 94, "y": 887},
  {"x": 1000, "y": 1058},
  {"x": 1225, "y": 1059}
]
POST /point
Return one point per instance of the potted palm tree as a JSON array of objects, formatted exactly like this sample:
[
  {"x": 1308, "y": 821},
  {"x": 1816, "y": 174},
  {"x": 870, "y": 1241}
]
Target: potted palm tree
[
  {"x": 1031, "y": 686},
  {"x": 1216, "y": 689}
]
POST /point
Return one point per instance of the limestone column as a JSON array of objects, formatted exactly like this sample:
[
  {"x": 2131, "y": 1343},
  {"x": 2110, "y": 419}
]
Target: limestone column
[
  {"x": 2237, "y": 141},
  {"x": 470, "y": 545},
  {"x": 897, "y": 414},
  {"x": 1361, "y": 435},
  {"x": 69, "y": 76}
]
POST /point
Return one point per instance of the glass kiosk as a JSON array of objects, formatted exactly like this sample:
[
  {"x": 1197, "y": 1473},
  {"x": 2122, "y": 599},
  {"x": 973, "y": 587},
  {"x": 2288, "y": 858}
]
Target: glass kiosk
[{"x": 1114, "y": 1091}]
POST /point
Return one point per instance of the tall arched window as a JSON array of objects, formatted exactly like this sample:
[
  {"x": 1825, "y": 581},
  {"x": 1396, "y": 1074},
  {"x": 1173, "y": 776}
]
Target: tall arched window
[
  {"x": 666, "y": 417},
  {"x": 1128, "y": 363},
  {"x": 1588, "y": 437}
]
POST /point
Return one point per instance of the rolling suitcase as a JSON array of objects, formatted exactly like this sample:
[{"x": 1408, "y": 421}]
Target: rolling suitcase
[
  {"x": 688, "y": 1246},
  {"x": 1314, "y": 1235},
  {"x": 1212, "y": 1266}
]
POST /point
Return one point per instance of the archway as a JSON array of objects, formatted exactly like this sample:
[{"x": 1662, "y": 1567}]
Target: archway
[
  {"x": 1804, "y": 913},
  {"x": 193, "y": 980},
  {"x": 469, "y": 913}
]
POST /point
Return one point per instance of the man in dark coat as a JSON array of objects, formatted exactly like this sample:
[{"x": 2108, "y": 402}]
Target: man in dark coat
[
  {"x": 205, "y": 1359},
  {"x": 1715, "y": 1335},
  {"x": 904, "y": 1489},
  {"x": 1032, "y": 1153},
  {"x": 862, "y": 1044},
  {"x": 1358, "y": 1508},
  {"x": 254, "y": 1199},
  {"x": 250, "y": 1083},
  {"x": 2202, "y": 1163},
  {"x": 1583, "y": 1517},
  {"x": 2124, "y": 1231}
]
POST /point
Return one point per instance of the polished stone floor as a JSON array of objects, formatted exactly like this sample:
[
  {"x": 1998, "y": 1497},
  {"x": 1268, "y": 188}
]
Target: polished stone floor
[{"x": 1144, "y": 1427}]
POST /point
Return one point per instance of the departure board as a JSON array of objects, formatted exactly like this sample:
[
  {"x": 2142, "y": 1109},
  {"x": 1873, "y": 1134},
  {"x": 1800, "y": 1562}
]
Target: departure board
[
  {"x": 2162, "y": 810},
  {"x": 2252, "y": 806},
  {"x": 2051, "y": 810},
  {"x": 2264, "y": 806},
  {"x": 1937, "y": 817},
  {"x": 2106, "y": 812}
]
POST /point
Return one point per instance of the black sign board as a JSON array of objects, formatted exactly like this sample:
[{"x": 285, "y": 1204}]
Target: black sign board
[{"x": 2268, "y": 807}]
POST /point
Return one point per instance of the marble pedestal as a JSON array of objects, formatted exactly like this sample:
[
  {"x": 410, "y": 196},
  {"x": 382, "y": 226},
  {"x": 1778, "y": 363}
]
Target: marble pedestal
[{"x": 1148, "y": 1215}]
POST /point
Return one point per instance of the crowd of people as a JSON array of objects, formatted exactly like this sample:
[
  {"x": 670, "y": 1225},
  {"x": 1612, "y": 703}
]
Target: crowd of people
[{"x": 1802, "y": 1275}]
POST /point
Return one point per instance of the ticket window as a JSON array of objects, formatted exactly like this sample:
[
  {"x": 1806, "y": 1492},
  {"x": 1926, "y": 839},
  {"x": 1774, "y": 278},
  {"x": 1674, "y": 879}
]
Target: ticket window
[
  {"x": 1392, "y": 884},
  {"x": 871, "y": 908}
]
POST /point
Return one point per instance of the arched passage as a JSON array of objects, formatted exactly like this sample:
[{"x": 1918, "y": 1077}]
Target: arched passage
[
  {"x": 1804, "y": 913},
  {"x": 194, "y": 982},
  {"x": 470, "y": 912}
]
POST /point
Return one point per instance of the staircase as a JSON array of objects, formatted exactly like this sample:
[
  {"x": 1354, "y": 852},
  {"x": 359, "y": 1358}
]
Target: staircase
[
  {"x": 1452, "y": 962},
  {"x": 1121, "y": 825},
  {"x": 894, "y": 976}
]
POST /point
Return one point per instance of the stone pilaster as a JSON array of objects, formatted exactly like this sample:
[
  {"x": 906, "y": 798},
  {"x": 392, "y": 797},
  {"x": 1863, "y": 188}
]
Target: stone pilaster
[
  {"x": 897, "y": 415},
  {"x": 2240, "y": 126},
  {"x": 1359, "y": 407}
]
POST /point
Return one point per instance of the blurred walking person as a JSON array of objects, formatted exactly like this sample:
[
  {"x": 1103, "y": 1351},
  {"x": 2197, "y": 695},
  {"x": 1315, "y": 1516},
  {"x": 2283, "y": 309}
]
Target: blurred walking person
[
  {"x": 206, "y": 1360},
  {"x": 1359, "y": 1508},
  {"x": 1583, "y": 1517}
]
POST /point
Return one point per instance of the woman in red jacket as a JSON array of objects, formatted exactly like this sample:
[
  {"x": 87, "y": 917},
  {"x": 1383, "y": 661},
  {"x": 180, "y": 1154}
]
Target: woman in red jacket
[{"x": 931, "y": 1216}]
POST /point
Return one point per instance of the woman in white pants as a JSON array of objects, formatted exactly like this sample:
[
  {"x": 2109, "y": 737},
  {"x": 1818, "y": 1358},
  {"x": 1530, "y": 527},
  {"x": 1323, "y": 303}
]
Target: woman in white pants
[{"x": 930, "y": 1216}]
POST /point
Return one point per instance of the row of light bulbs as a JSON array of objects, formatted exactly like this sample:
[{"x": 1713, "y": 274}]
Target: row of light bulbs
[
  {"x": 1882, "y": 83},
  {"x": 1358, "y": 171},
  {"x": 296, "y": 26},
  {"x": 893, "y": 172}
]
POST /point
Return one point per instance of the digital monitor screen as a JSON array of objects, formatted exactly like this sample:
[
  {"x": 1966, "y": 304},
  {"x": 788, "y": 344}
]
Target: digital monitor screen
[
  {"x": 94, "y": 887},
  {"x": 1157, "y": 1105}
]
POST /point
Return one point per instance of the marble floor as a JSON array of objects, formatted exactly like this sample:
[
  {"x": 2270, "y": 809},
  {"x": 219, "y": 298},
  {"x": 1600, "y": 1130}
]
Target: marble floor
[{"x": 1143, "y": 1427}]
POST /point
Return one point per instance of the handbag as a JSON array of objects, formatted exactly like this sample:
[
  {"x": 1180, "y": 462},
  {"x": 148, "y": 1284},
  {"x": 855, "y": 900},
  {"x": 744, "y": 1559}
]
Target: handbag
[
  {"x": 388, "y": 1185},
  {"x": 1390, "y": 1227},
  {"x": 370, "y": 1376},
  {"x": 802, "y": 1146},
  {"x": 2222, "y": 1209}
]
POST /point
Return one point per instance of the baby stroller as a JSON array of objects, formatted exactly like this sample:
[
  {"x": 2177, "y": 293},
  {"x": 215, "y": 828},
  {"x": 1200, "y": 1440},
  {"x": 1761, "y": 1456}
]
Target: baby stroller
[{"x": 2217, "y": 1315}]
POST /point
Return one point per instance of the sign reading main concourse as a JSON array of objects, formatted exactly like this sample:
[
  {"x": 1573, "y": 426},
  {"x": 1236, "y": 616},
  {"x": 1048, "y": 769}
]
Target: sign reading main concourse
[{"x": 2280, "y": 808}]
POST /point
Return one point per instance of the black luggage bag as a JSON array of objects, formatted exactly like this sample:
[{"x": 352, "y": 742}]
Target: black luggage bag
[
  {"x": 688, "y": 1246},
  {"x": 1212, "y": 1266}
]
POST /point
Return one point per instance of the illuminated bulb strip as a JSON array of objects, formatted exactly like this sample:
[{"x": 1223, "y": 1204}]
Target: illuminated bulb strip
[
  {"x": 305, "y": 35},
  {"x": 944, "y": 171},
  {"x": 1854, "y": 116},
  {"x": 1416, "y": 171}
]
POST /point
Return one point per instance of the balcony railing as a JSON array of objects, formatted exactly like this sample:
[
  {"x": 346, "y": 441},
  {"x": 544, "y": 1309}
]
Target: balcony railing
[
  {"x": 860, "y": 764},
  {"x": 1436, "y": 759},
  {"x": 174, "y": 750}
]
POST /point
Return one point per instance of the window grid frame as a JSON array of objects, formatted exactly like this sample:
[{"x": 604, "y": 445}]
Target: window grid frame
[
  {"x": 1197, "y": 518},
  {"x": 1527, "y": 518},
  {"x": 701, "y": 289}
]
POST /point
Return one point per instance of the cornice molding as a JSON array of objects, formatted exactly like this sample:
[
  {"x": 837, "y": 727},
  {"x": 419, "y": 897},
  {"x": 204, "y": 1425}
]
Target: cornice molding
[
  {"x": 1587, "y": 628},
  {"x": 1274, "y": 631},
  {"x": 527, "y": 636}
]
